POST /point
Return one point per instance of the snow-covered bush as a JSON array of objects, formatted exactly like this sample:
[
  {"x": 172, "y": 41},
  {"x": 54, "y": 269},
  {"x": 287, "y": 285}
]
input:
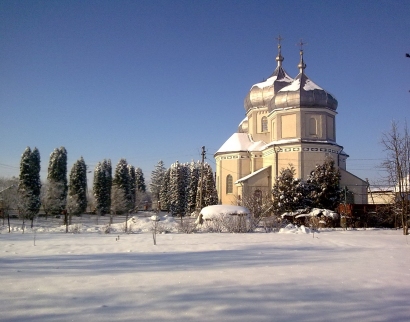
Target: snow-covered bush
[
  {"x": 75, "y": 229},
  {"x": 187, "y": 225}
]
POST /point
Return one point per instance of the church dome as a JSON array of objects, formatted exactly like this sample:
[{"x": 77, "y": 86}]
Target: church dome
[
  {"x": 303, "y": 93},
  {"x": 262, "y": 93}
]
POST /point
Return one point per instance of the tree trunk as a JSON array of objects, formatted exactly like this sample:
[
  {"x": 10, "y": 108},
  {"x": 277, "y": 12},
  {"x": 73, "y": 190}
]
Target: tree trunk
[
  {"x": 126, "y": 222},
  {"x": 8, "y": 221}
]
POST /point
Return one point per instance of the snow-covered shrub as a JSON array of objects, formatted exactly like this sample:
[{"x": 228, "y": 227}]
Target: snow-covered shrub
[
  {"x": 106, "y": 229},
  {"x": 187, "y": 225},
  {"x": 75, "y": 229},
  {"x": 236, "y": 224},
  {"x": 215, "y": 225},
  {"x": 271, "y": 223}
]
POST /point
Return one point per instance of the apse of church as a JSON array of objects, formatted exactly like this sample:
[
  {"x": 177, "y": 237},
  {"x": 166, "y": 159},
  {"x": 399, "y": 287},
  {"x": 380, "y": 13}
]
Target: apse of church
[{"x": 287, "y": 121}]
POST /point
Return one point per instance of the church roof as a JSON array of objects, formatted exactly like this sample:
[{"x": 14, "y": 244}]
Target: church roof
[
  {"x": 262, "y": 93},
  {"x": 252, "y": 174},
  {"x": 241, "y": 142},
  {"x": 303, "y": 92}
]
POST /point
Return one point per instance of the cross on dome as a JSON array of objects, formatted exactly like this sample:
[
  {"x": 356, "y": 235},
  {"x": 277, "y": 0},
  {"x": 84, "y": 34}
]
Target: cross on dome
[
  {"x": 301, "y": 64},
  {"x": 279, "y": 57}
]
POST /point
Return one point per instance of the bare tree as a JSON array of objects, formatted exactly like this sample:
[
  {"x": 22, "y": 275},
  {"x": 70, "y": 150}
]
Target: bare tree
[
  {"x": 73, "y": 207},
  {"x": 396, "y": 144},
  {"x": 119, "y": 202},
  {"x": 91, "y": 205},
  {"x": 259, "y": 203},
  {"x": 141, "y": 198}
]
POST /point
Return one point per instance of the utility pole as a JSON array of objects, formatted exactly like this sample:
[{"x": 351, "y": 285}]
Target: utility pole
[{"x": 202, "y": 178}]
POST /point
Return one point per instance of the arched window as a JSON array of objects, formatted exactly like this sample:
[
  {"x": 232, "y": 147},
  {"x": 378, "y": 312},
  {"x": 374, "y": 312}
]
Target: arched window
[
  {"x": 312, "y": 126},
  {"x": 264, "y": 124},
  {"x": 229, "y": 184}
]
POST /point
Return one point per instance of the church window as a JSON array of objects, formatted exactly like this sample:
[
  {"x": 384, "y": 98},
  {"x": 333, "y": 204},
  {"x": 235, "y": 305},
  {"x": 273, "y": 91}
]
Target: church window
[
  {"x": 312, "y": 126},
  {"x": 229, "y": 184},
  {"x": 264, "y": 123}
]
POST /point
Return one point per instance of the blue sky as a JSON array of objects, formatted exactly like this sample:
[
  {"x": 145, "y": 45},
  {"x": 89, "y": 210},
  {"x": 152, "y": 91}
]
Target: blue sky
[{"x": 157, "y": 80}]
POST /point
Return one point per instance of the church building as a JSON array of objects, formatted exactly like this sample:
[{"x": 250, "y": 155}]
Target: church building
[{"x": 287, "y": 121}]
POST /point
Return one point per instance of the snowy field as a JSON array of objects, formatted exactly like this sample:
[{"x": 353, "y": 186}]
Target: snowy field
[{"x": 355, "y": 275}]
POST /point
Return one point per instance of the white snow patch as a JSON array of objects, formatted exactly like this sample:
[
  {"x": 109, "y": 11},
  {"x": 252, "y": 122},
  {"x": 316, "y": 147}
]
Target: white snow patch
[
  {"x": 203, "y": 277},
  {"x": 294, "y": 229},
  {"x": 218, "y": 211},
  {"x": 313, "y": 213}
]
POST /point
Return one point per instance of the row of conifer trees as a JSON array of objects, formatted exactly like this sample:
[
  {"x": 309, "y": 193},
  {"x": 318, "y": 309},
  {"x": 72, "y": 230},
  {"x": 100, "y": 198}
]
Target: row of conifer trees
[
  {"x": 180, "y": 189},
  {"x": 71, "y": 195}
]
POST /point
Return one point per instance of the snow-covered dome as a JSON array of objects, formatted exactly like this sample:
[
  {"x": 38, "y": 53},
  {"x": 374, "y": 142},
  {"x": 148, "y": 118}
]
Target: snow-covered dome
[
  {"x": 243, "y": 126},
  {"x": 303, "y": 92},
  {"x": 262, "y": 93}
]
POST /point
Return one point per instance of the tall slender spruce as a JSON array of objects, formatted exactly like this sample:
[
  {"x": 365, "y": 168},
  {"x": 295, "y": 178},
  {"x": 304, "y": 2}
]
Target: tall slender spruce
[
  {"x": 78, "y": 186},
  {"x": 29, "y": 184},
  {"x": 57, "y": 179}
]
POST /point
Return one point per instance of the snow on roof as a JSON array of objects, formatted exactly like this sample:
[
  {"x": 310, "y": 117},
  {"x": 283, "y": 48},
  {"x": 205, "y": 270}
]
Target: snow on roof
[
  {"x": 381, "y": 189},
  {"x": 244, "y": 120},
  {"x": 240, "y": 142},
  {"x": 308, "y": 86},
  {"x": 211, "y": 212},
  {"x": 251, "y": 175},
  {"x": 271, "y": 80},
  {"x": 257, "y": 146}
]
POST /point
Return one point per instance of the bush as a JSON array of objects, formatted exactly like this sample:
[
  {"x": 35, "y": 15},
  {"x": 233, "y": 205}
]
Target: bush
[{"x": 75, "y": 229}]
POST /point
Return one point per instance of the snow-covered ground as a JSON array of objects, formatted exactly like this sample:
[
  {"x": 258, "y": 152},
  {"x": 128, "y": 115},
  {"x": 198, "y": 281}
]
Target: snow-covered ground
[{"x": 354, "y": 275}]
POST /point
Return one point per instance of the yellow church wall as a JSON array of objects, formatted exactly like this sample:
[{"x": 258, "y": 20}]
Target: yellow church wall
[
  {"x": 258, "y": 163},
  {"x": 273, "y": 129},
  {"x": 330, "y": 126},
  {"x": 288, "y": 126},
  {"x": 255, "y": 117},
  {"x": 236, "y": 165},
  {"x": 251, "y": 123},
  {"x": 317, "y": 124}
]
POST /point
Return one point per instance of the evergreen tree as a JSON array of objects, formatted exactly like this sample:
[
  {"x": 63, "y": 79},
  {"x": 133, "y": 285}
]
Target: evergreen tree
[
  {"x": 133, "y": 184},
  {"x": 102, "y": 187},
  {"x": 209, "y": 194},
  {"x": 157, "y": 176},
  {"x": 140, "y": 181},
  {"x": 164, "y": 194},
  {"x": 29, "y": 184},
  {"x": 288, "y": 192},
  {"x": 324, "y": 182},
  {"x": 194, "y": 172},
  {"x": 122, "y": 180},
  {"x": 108, "y": 183},
  {"x": 78, "y": 187},
  {"x": 177, "y": 189},
  {"x": 57, "y": 178}
]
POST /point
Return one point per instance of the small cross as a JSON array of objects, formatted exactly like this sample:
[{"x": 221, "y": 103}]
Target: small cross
[
  {"x": 301, "y": 43},
  {"x": 279, "y": 39}
]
